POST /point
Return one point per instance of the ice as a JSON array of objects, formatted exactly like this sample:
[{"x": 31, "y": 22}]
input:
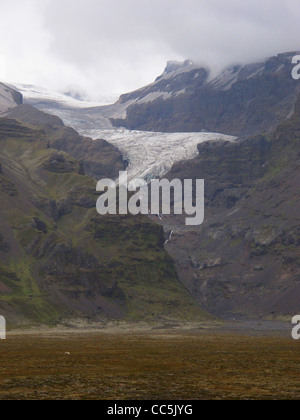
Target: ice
[
  {"x": 152, "y": 154},
  {"x": 151, "y": 97},
  {"x": 36, "y": 94}
]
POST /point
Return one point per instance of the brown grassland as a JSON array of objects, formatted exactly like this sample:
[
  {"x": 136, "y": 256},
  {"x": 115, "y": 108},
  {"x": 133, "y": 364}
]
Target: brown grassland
[{"x": 197, "y": 364}]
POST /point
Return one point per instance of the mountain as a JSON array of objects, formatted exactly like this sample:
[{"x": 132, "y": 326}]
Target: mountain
[
  {"x": 59, "y": 259},
  {"x": 242, "y": 262},
  {"x": 240, "y": 101},
  {"x": 146, "y": 154},
  {"x": 152, "y": 155},
  {"x": 76, "y": 113},
  {"x": 9, "y": 98},
  {"x": 245, "y": 259},
  {"x": 41, "y": 97},
  {"x": 99, "y": 159}
]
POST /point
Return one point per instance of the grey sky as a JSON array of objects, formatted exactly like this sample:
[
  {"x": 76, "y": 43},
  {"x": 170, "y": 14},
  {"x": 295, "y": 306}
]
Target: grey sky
[{"x": 114, "y": 46}]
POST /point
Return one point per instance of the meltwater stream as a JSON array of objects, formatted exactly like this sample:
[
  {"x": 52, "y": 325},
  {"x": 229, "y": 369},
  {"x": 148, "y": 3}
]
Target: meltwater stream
[{"x": 152, "y": 154}]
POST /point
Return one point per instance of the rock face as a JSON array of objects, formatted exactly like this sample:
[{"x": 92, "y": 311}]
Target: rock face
[
  {"x": 58, "y": 258},
  {"x": 99, "y": 159},
  {"x": 9, "y": 98},
  {"x": 242, "y": 100},
  {"x": 245, "y": 259}
]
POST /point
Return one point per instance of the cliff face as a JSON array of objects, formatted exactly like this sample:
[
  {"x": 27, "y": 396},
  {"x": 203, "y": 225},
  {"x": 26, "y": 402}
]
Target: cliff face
[
  {"x": 245, "y": 259},
  {"x": 9, "y": 98},
  {"x": 99, "y": 159},
  {"x": 242, "y": 100},
  {"x": 58, "y": 258}
]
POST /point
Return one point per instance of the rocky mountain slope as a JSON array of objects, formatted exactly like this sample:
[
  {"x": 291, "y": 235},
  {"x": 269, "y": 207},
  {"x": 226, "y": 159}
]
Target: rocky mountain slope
[
  {"x": 58, "y": 258},
  {"x": 152, "y": 155},
  {"x": 99, "y": 159},
  {"x": 241, "y": 100},
  {"x": 245, "y": 259},
  {"x": 146, "y": 154},
  {"x": 9, "y": 98}
]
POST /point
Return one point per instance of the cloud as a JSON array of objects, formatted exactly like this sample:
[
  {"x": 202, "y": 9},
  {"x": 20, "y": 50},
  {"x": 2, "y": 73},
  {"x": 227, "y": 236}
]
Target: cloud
[{"x": 113, "y": 46}]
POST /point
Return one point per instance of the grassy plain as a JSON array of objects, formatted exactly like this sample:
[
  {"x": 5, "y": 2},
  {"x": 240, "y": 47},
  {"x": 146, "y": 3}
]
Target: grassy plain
[{"x": 154, "y": 364}]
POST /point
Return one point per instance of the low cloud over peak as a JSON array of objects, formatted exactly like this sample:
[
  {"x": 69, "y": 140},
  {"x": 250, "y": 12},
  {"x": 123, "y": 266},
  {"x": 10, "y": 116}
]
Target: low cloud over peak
[{"x": 114, "y": 46}]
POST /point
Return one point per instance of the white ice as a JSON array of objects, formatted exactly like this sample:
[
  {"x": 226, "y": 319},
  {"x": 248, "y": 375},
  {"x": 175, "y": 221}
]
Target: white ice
[
  {"x": 33, "y": 93},
  {"x": 152, "y": 154}
]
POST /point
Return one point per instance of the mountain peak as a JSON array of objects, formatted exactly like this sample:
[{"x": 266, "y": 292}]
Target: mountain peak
[{"x": 177, "y": 65}]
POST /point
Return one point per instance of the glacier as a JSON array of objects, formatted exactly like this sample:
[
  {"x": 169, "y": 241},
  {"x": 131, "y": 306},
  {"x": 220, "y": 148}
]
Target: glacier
[
  {"x": 149, "y": 154},
  {"x": 37, "y": 95},
  {"x": 152, "y": 154}
]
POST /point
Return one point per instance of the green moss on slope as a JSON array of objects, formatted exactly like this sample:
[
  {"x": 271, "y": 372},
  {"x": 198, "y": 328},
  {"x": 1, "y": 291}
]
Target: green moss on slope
[{"x": 60, "y": 259}]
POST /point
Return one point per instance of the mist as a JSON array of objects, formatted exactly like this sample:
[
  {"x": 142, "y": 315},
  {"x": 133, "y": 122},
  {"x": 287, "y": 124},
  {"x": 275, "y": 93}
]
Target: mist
[{"x": 111, "y": 47}]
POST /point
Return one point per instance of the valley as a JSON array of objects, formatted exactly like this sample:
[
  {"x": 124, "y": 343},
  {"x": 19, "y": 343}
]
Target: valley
[
  {"x": 149, "y": 203},
  {"x": 152, "y": 155},
  {"x": 242, "y": 262},
  {"x": 205, "y": 362}
]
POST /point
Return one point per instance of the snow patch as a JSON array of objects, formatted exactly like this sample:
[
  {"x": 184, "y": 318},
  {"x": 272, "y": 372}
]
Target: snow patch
[
  {"x": 226, "y": 79},
  {"x": 282, "y": 66},
  {"x": 180, "y": 92},
  {"x": 36, "y": 94},
  {"x": 151, "y": 97},
  {"x": 256, "y": 73}
]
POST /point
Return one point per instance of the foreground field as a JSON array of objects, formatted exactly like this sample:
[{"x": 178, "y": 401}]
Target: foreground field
[{"x": 154, "y": 365}]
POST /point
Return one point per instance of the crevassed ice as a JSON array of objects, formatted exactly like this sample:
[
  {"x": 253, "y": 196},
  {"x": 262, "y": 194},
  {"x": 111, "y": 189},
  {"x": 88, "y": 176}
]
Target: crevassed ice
[{"x": 152, "y": 154}]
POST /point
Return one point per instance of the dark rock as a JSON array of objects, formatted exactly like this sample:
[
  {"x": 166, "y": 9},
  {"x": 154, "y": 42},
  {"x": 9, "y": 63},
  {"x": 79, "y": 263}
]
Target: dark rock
[
  {"x": 257, "y": 233},
  {"x": 61, "y": 163},
  {"x": 86, "y": 202},
  {"x": 98, "y": 159},
  {"x": 4, "y": 246},
  {"x": 244, "y": 100},
  {"x": 47, "y": 206},
  {"x": 39, "y": 225},
  {"x": 70, "y": 262}
]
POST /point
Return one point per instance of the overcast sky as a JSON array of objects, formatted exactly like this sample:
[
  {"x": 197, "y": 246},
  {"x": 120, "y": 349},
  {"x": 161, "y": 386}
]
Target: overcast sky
[{"x": 114, "y": 46}]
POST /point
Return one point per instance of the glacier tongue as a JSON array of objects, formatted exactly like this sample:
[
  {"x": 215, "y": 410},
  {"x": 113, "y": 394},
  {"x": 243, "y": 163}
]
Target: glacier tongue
[{"x": 152, "y": 154}]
